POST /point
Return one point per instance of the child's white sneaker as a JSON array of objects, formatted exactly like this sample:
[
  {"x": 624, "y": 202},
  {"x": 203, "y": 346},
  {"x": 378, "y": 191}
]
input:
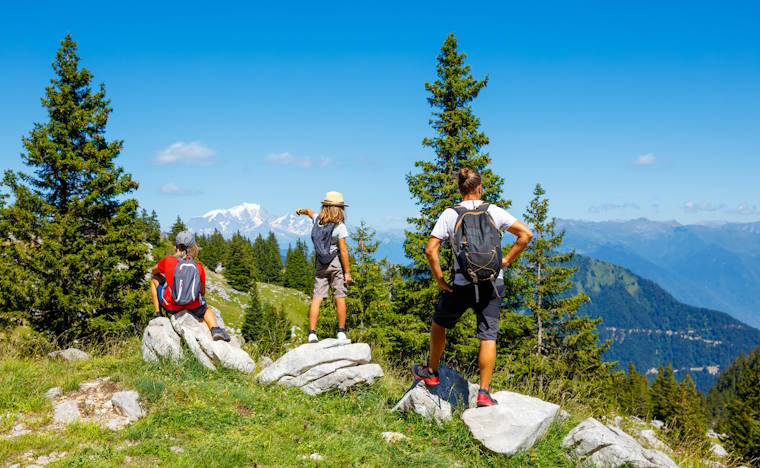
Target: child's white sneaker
[
  {"x": 341, "y": 336},
  {"x": 313, "y": 337}
]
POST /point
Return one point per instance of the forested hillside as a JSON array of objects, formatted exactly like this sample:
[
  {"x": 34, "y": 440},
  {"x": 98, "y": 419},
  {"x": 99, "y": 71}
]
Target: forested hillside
[{"x": 650, "y": 327}]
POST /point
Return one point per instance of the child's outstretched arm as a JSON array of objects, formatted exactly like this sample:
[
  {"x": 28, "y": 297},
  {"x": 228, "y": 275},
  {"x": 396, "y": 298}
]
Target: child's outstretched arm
[{"x": 305, "y": 211}]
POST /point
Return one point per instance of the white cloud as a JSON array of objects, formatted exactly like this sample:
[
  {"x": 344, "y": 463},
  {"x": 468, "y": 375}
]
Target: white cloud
[
  {"x": 695, "y": 207},
  {"x": 193, "y": 152},
  {"x": 173, "y": 189},
  {"x": 605, "y": 207},
  {"x": 305, "y": 162},
  {"x": 644, "y": 160},
  {"x": 745, "y": 209}
]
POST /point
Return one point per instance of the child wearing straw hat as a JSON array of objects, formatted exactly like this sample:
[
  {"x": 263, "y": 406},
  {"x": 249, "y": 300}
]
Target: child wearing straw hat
[{"x": 331, "y": 260}]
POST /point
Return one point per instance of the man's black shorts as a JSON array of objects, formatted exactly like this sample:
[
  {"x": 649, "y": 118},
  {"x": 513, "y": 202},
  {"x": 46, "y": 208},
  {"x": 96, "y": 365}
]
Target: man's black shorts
[{"x": 452, "y": 305}]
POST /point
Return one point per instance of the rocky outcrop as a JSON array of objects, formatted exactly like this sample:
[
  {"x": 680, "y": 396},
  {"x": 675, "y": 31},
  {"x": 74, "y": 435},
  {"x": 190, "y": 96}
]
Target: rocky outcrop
[
  {"x": 437, "y": 403},
  {"x": 160, "y": 341},
  {"x": 610, "y": 446},
  {"x": 69, "y": 354},
  {"x": 319, "y": 367},
  {"x": 515, "y": 424},
  {"x": 97, "y": 401},
  {"x": 210, "y": 353}
]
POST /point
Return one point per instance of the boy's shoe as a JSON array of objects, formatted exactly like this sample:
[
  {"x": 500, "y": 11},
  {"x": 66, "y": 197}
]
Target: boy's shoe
[
  {"x": 313, "y": 337},
  {"x": 485, "y": 399},
  {"x": 425, "y": 374},
  {"x": 341, "y": 336},
  {"x": 219, "y": 334}
]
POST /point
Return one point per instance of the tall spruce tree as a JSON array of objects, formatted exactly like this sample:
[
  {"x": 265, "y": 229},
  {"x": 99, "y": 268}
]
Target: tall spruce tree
[
  {"x": 457, "y": 143},
  {"x": 743, "y": 417},
  {"x": 239, "y": 269},
  {"x": 214, "y": 250},
  {"x": 71, "y": 237},
  {"x": 177, "y": 227},
  {"x": 564, "y": 343},
  {"x": 273, "y": 264},
  {"x": 253, "y": 321},
  {"x": 297, "y": 268}
]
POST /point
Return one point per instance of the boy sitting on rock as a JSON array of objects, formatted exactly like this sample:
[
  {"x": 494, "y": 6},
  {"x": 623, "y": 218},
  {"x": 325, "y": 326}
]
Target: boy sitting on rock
[{"x": 179, "y": 283}]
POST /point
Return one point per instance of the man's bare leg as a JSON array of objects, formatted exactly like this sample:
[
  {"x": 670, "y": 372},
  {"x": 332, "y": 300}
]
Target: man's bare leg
[
  {"x": 486, "y": 362},
  {"x": 314, "y": 312},
  {"x": 437, "y": 344},
  {"x": 340, "y": 306}
]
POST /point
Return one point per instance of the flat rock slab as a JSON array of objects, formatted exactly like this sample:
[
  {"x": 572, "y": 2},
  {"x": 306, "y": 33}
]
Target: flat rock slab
[
  {"x": 320, "y": 367},
  {"x": 126, "y": 402},
  {"x": 437, "y": 403},
  {"x": 160, "y": 341},
  {"x": 66, "y": 412},
  {"x": 210, "y": 353},
  {"x": 515, "y": 424},
  {"x": 610, "y": 446},
  {"x": 70, "y": 354}
]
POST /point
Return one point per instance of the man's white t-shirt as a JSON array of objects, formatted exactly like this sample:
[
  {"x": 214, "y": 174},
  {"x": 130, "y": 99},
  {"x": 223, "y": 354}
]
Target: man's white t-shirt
[
  {"x": 340, "y": 232},
  {"x": 444, "y": 229}
]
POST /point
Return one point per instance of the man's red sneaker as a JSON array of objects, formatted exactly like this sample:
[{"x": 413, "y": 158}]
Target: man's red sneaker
[
  {"x": 485, "y": 399},
  {"x": 425, "y": 374}
]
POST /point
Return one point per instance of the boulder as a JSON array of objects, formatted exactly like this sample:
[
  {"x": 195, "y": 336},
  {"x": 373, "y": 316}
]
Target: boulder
[
  {"x": 126, "y": 402},
  {"x": 610, "y": 446},
  {"x": 718, "y": 450},
  {"x": 66, "y": 412},
  {"x": 319, "y": 367},
  {"x": 657, "y": 424},
  {"x": 650, "y": 439},
  {"x": 70, "y": 354},
  {"x": 437, "y": 403},
  {"x": 515, "y": 424},
  {"x": 210, "y": 353},
  {"x": 160, "y": 341},
  {"x": 53, "y": 393}
]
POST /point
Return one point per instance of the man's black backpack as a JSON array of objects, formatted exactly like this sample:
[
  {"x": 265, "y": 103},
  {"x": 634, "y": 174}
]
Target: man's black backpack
[
  {"x": 477, "y": 244},
  {"x": 322, "y": 237}
]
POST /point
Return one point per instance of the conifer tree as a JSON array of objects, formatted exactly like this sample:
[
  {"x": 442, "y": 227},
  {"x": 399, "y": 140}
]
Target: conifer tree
[
  {"x": 253, "y": 320},
  {"x": 239, "y": 269},
  {"x": 71, "y": 237},
  {"x": 296, "y": 268},
  {"x": 665, "y": 394},
  {"x": 689, "y": 412},
  {"x": 214, "y": 250},
  {"x": 273, "y": 265},
  {"x": 177, "y": 227},
  {"x": 743, "y": 418},
  {"x": 457, "y": 142},
  {"x": 559, "y": 332}
]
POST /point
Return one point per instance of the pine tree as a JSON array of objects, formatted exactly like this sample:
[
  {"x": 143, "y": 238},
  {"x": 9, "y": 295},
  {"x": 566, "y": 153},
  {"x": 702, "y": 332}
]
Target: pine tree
[
  {"x": 273, "y": 264},
  {"x": 213, "y": 250},
  {"x": 743, "y": 418},
  {"x": 239, "y": 270},
  {"x": 253, "y": 321},
  {"x": 72, "y": 237},
  {"x": 457, "y": 143},
  {"x": 297, "y": 270},
  {"x": 665, "y": 394},
  {"x": 560, "y": 333},
  {"x": 177, "y": 227},
  {"x": 688, "y": 420}
]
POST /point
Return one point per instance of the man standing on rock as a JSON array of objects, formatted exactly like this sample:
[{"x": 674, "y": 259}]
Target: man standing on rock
[{"x": 474, "y": 229}]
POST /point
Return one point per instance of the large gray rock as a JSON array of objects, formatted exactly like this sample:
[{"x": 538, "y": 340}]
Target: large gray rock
[
  {"x": 610, "y": 446},
  {"x": 299, "y": 360},
  {"x": 126, "y": 402},
  {"x": 210, "y": 353},
  {"x": 718, "y": 450},
  {"x": 345, "y": 378},
  {"x": 66, "y": 412},
  {"x": 650, "y": 439},
  {"x": 70, "y": 354},
  {"x": 452, "y": 394},
  {"x": 319, "y": 367},
  {"x": 160, "y": 341},
  {"x": 515, "y": 424}
]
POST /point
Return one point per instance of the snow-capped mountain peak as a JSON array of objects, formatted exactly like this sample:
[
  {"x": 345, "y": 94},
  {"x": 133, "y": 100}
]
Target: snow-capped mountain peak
[{"x": 250, "y": 219}]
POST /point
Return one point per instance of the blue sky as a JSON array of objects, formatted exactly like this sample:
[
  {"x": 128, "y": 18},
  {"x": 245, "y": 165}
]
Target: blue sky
[{"x": 620, "y": 109}]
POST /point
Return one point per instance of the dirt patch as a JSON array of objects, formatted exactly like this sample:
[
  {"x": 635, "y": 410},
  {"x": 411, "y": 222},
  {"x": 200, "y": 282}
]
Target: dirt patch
[{"x": 243, "y": 410}]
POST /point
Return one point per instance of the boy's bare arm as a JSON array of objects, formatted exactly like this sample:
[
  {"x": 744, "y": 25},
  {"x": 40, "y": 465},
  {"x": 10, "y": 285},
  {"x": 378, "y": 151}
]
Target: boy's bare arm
[{"x": 344, "y": 260}]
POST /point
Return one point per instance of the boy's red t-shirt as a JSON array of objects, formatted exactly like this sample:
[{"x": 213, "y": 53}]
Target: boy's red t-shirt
[{"x": 166, "y": 266}]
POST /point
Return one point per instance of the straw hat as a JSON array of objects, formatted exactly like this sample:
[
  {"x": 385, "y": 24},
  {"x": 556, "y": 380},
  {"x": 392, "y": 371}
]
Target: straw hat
[{"x": 333, "y": 199}]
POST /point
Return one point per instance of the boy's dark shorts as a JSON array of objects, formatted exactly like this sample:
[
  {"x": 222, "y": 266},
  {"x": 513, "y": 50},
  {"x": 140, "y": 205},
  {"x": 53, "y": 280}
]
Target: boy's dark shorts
[
  {"x": 198, "y": 312},
  {"x": 452, "y": 305}
]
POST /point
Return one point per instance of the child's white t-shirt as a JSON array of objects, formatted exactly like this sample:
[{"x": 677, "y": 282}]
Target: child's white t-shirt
[
  {"x": 340, "y": 232},
  {"x": 444, "y": 228}
]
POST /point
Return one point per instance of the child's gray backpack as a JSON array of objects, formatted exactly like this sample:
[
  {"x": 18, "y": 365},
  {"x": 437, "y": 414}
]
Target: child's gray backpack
[
  {"x": 322, "y": 237},
  {"x": 187, "y": 281},
  {"x": 477, "y": 244}
]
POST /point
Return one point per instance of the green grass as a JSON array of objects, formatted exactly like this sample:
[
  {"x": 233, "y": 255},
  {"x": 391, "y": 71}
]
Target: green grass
[
  {"x": 224, "y": 418},
  {"x": 295, "y": 302}
]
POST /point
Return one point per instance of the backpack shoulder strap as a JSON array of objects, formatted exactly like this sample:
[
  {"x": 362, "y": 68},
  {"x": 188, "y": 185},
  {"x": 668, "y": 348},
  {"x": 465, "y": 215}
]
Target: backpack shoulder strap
[{"x": 483, "y": 207}]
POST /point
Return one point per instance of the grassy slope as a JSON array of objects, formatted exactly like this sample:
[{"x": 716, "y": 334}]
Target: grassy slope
[
  {"x": 225, "y": 419},
  {"x": 295, "y": 302}
]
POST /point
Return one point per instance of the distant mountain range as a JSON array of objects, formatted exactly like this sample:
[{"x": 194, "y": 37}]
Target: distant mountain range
[
  {"x": 649, "y": 327},
  {"x": 712, "y": 265}
]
